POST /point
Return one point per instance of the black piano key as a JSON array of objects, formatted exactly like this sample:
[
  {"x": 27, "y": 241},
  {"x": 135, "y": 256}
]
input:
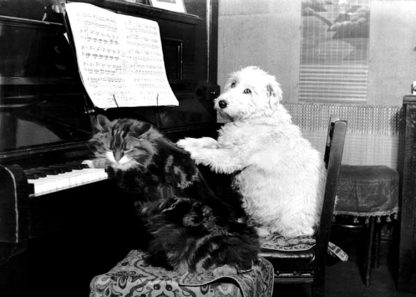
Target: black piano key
[
  {"x": 76, "y": 165},
  {"x": 39, "y": 172},
  {"x": 31, "y": 188},
  {"x": 54, "y": 169},
  {"x": 46, "y": 170},
  {"x": 60, "y": 168},
  {"x": 31, "y": 176},
  {"x": 34, "y": 173}
]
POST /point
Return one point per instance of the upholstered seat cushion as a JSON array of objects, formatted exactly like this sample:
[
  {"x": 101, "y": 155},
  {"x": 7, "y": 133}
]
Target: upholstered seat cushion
[
  {"x": 301, "y": 247},
  {"x": 134, "y": 278},
  {"x": 297, "y": 254},
  {"x": 365, "y": 191}
]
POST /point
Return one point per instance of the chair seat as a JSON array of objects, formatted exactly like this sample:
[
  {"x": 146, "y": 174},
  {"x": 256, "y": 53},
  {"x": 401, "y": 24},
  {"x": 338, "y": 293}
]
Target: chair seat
[
  {"x": 365, "y": 191},
  {"x": 296, "y": 253},
  {"x": 133, "y": 277},
  {"x": 277, "y": 242}
]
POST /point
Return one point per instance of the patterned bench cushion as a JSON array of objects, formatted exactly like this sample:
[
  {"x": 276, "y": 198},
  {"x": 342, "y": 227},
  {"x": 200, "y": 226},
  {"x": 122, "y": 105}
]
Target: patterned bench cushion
[{"x": 133, "y": 277}]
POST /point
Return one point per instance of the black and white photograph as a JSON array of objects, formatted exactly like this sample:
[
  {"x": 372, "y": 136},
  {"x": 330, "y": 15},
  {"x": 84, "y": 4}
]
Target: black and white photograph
[{"x": 208, "y": 148}]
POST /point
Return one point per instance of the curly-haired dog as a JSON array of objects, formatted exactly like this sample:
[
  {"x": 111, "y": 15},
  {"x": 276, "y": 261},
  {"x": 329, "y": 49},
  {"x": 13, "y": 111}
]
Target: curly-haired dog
[
  {"x": 190, "y": 228},
  {"x": 276, "y": 170}
]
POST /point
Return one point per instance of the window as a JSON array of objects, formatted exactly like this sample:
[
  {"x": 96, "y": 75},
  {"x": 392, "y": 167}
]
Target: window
[{"x": 334, "y": 51}]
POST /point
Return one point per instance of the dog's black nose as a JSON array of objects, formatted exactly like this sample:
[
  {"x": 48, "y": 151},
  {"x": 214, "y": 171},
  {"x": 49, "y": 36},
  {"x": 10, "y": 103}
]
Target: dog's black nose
[{"x": 222, "y": 104}]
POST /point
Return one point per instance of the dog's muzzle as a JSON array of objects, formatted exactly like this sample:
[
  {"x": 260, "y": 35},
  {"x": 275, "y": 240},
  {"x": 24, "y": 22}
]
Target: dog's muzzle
[{"x": 222, "y": 104}]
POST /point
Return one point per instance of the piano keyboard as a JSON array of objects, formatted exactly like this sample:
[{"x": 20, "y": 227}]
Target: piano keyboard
[{"x": 56, "y": 178}]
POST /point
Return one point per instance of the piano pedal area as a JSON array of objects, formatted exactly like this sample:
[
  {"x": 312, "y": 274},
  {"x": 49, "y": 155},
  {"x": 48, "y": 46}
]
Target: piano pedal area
[{"x": 77, "y": 224}]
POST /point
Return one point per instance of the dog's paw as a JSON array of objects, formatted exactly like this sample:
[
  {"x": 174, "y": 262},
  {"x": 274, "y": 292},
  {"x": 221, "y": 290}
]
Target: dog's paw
[
  {"x": 189, "y": 143},
  {"x": 199, "y": 155},
  {"x": 186, "y": 143},
  {"x": 207, "y": 142}
]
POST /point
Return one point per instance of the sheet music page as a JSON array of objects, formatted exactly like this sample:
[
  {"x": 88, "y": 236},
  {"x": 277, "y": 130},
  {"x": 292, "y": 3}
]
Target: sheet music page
[{"x": 120, "y": 58}]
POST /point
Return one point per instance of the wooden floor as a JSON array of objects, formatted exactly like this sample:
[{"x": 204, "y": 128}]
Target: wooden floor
[{"x": 344, "y": 279}]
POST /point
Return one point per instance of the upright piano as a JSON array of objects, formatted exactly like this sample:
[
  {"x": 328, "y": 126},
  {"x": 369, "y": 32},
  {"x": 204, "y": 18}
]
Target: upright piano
[{"x": 62, "y": 223}]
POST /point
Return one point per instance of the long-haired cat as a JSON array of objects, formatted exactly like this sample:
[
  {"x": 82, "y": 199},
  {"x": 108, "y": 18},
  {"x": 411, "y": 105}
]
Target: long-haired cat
[{"x": 190, "y": 228}]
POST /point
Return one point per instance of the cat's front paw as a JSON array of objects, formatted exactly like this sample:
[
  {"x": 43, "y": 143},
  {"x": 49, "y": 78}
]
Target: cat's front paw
[
  {"x": 225, "y": 270},
  {"x": 96, "y": 163},
  {"x": 89, "y": 163}
]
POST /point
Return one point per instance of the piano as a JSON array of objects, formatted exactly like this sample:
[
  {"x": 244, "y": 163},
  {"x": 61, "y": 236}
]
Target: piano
[{"x": 61, "y": 223}]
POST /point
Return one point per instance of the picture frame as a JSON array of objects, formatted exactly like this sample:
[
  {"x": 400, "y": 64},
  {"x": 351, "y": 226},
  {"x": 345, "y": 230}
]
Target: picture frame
[{"x": 172, "y": 5}]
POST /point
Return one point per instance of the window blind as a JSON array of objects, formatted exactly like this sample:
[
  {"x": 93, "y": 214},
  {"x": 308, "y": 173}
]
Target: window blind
[{"x": 334, "y": 51}]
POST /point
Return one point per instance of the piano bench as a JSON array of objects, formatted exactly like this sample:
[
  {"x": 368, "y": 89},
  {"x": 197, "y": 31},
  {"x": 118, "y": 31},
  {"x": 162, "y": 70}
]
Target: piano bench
[{"x": 133, "y": 277}]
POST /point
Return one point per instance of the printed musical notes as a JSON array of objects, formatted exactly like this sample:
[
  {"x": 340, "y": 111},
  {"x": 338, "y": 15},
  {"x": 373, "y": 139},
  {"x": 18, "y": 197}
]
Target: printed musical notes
[{"x": 120, "y": 58}]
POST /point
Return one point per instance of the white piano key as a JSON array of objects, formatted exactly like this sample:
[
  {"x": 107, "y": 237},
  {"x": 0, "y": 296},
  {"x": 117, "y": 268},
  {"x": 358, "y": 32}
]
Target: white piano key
[{"x": 67, "y": 180}]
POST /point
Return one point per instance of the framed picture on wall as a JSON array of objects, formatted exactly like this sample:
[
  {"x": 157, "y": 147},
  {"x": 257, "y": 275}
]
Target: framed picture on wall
[{"x": 172, "y": 5}]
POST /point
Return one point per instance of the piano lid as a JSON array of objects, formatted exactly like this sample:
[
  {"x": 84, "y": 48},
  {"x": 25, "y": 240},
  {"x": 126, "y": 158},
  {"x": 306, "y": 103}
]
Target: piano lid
[
  {"x": 43, "y": 104},
  {"x": 42, "y": 101}
]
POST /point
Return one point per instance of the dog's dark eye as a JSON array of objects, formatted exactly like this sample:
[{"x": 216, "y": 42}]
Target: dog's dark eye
[
  {"x": 247, "y": 91},
  {"x": 233, "y": 84}
]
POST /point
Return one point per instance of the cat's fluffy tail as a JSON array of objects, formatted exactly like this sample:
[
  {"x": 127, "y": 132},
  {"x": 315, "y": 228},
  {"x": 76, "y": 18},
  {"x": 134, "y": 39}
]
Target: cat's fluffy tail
[{"x": 187, "y": 236}]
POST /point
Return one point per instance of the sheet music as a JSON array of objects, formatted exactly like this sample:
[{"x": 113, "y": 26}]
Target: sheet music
[{"x": 120, "y": 58}]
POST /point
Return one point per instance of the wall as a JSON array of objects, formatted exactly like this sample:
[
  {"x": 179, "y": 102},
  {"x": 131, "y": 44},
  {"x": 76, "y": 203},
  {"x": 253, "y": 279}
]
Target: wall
[
  {"x": 263, "y": 33},
  {"x": 392, "y": 65},
  {"x": 267, "y": 33}
]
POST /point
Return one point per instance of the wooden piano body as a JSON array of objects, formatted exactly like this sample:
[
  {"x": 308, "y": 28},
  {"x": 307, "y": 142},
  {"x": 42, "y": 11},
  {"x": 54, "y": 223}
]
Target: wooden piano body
[{"x": 55, "y": 237}]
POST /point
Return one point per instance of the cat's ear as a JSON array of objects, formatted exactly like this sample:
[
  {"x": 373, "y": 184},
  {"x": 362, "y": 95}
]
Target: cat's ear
[
  {"x": 140, "y": 128},
  {"x": 145, "y": 130},
  {"x": 101, "y": 124}
]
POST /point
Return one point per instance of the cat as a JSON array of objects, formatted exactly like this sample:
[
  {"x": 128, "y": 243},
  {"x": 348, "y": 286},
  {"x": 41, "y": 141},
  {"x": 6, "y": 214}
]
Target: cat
[{"x": 190, "y": 228}]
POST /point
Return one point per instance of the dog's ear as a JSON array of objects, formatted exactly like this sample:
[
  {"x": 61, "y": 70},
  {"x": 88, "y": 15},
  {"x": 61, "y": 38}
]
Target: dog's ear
[{"x": 274, "y": 92}]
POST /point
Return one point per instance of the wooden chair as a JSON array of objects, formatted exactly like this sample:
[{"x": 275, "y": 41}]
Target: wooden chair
[{"x": 302, "y": 260}]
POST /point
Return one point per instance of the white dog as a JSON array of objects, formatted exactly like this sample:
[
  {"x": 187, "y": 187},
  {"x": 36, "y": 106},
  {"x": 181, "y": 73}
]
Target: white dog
[{"x": 277, "y": 171}]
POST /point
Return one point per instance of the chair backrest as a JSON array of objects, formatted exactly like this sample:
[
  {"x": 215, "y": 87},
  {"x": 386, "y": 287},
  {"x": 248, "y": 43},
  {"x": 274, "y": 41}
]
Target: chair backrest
[{"x": 333, "y": 157}]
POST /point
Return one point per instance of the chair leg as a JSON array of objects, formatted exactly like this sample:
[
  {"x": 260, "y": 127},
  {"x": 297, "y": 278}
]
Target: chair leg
[
  {"x": 318, "y": 285},
  {"x": 377, "y": 242},
  {"x": 369, "y": 252}
]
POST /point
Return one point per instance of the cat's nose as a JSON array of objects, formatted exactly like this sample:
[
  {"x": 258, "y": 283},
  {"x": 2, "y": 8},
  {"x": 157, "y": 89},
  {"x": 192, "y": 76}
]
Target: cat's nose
[{"x": 118, "y": 155}]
